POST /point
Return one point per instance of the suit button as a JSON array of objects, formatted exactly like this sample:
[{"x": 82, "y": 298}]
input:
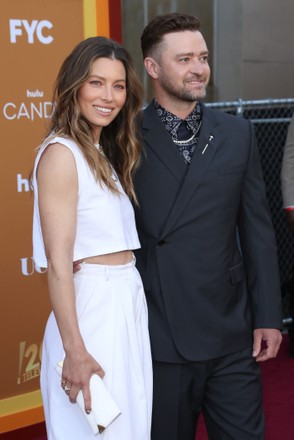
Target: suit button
[{"x": 161, "y": 242}]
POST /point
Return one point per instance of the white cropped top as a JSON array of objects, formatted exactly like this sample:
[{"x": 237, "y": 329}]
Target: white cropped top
[{"x": 105, "y": 220}]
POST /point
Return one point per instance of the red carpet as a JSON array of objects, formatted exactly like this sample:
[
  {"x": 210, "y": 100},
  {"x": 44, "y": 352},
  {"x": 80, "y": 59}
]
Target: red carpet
[
  {"x": 278, "y": 384},
  {"x": 278, "y": 392},
  {"x": 278, "y": 376}
]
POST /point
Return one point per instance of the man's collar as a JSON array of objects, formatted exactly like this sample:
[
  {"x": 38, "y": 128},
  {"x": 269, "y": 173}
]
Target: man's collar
[{"x": 172, "y": 121}]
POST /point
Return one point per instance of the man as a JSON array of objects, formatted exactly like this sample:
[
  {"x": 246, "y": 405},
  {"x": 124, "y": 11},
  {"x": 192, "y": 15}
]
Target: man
[{"x": 208, "y": 258}]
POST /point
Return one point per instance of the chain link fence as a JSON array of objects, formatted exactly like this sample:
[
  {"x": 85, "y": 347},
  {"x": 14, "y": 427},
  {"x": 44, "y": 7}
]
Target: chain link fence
[{"x": 271, "y": 118}]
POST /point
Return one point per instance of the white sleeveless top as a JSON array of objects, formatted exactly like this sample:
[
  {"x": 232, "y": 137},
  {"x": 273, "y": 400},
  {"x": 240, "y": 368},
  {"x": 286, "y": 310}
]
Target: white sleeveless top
[{"x": 105, "y": 220}]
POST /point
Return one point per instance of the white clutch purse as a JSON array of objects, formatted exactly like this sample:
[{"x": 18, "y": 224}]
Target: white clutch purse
[{"x": 104, "y": 408}]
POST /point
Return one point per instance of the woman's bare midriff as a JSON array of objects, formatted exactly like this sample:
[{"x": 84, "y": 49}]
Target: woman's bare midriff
[{"x": 116, "y": 258}]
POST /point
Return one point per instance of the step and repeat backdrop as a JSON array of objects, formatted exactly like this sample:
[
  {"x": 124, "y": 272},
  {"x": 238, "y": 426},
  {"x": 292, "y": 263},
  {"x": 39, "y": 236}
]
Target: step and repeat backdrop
[{"x": 35, "y": 37}]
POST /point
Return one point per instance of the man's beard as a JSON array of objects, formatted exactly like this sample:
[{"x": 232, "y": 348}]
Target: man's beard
[{"x": 182, "y": 94}]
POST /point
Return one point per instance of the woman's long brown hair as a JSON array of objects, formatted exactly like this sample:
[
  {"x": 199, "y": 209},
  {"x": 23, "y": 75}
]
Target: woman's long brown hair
[{"x": 121, "y": 146}]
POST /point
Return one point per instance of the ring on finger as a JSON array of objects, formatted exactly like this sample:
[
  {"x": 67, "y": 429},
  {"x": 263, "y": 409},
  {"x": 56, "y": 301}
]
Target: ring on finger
[{"x": 66, "y": 388}]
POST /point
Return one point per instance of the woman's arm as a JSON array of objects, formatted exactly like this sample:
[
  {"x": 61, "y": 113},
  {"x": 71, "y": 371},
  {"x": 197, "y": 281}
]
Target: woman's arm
[{"x": 58, "y": 192}]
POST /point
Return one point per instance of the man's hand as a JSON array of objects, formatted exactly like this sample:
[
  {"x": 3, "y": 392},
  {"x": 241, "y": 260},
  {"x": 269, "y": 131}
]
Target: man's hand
[
  {"x": 76, "y": 266},
  {"x": 290, "y": 219},
  {"x": 266, "y": 343}
]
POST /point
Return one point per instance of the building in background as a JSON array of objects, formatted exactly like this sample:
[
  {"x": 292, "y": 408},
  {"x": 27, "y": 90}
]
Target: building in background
[{"x": 250, "y": 43}]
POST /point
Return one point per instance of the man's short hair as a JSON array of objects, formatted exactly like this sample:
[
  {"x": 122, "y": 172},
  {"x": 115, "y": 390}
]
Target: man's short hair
[{"x": 166, "y": 24}]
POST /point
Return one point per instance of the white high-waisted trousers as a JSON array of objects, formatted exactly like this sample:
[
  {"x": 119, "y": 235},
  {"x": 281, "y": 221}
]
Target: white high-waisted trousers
[{"x": 113, "y": 321}]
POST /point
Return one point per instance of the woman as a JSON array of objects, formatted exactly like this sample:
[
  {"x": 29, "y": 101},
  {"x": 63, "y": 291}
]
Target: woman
[{"x": 83, "y": 185}]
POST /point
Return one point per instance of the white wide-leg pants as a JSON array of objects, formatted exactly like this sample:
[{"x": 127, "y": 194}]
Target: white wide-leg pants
[{"x": 113, "y": 321}]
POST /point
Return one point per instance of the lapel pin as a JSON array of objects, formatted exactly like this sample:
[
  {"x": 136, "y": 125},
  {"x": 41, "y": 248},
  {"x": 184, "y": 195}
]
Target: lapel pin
[{"x": 210, "y": 139}]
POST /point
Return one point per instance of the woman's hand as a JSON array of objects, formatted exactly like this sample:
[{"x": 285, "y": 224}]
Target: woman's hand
[{"x": 76, "y": 374}]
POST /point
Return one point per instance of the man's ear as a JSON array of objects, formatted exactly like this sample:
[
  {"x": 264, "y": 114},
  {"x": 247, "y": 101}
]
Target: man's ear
[{"x": 151, "y": 67}]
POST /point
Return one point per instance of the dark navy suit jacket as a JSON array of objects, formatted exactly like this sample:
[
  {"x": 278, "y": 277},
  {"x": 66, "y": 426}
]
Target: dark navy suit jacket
[{"x": 208, "y": 259}]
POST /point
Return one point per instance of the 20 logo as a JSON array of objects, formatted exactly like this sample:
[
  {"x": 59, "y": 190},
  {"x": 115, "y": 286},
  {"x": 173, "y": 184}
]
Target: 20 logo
[{"x": 33, "y": 354}]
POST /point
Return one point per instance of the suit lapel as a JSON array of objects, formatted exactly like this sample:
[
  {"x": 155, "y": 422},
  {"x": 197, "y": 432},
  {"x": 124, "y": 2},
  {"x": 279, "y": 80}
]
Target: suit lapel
[
  {"x": 159, "y": 141},
  {"x": 207, "y": 146}
]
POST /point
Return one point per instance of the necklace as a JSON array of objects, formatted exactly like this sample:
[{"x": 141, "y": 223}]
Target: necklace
[{"x": 187, "y": 141}]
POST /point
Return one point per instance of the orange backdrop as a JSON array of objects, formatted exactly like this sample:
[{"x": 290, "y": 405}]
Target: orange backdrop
[{"x": 35, "y": 37}]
